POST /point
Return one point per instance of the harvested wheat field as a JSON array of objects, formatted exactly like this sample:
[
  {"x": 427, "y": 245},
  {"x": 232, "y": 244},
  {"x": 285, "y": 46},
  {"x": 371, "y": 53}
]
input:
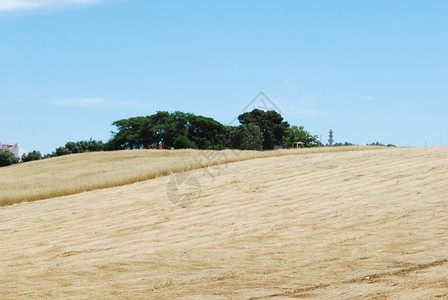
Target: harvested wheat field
[
  {"x": 72, "y": 174},
  {"x": 339, "y": 225}
]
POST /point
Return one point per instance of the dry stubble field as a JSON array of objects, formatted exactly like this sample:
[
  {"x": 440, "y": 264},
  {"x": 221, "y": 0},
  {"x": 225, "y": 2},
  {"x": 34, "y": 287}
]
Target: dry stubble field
[
  {"x": 343, "y": 225},
  {"x": 72, "y": 174}
]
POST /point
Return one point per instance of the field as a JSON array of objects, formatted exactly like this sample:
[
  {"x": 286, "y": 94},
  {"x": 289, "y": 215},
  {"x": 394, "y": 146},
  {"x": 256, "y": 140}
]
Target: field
[
  {"x": 330, "y": 225},
  {"x": 68, "y": 175}
]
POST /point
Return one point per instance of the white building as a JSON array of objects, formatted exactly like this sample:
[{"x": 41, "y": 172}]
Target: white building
[{"x": 14, "y": 149}]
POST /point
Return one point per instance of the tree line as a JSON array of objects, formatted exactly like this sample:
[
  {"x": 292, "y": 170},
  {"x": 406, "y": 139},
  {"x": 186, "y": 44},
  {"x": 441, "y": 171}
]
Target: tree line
[
  {"x": 8, "y": 158},
  {"x": 257, "y": 130}
]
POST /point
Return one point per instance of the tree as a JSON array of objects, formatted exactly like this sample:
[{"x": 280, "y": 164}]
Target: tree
[
  {"x": 249, "y": 137},
  {"x": 30, "y": 156},
  {"x": 231, "y": 137},
  {"x": 271, "y": 125},
  {"x": 380, "y": 144},
  {"x": 186, "y": 130},
  {"x": 183, "y": 142},
  {"x": 159, "y": 129},
  {"x": 207, "y": 133},
  {"x": 299, "y": 134},
  {"x": 165, "y": 128},
  {"x": 145, "y": 132},
  {"x": 85, "y": 146},
  {"x": 346, "y": 144},
  {"x": 130, "y": 134},
  {"x": 61, "y": 151},
  {"x": 79, "y": 147},
  {"x": 7, "y": 159}
]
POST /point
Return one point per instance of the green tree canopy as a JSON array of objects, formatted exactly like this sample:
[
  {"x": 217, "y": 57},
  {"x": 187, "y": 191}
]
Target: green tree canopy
[
  {"x": 299, "y": 134},
  {"x": 167, "y": 128},
  {"x": 76, "y": 147},
  {"x": 186, "y": 130},
  {"x": 271, "y": 125},
  {"x": 249, "y": 137},
  {"x": 7, "y": 159},
  {"x": 183, "y": 142},
  {"x": 131, "y": 133},
  {"x": 207, "y": 133},
  {"x": 30, "y": 156}
]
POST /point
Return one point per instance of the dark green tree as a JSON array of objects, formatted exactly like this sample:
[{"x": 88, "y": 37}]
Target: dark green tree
[
  {"x": 61, "y": 151},
  {"x": 231, "y": 138},
  {"x": 206, "y": 133},
  {"x": 30, "y": 156},
  {"x": 183, "y": 142},
  {"x": 144, "y": 132},
  {"x": 249, "y": 137},
  {"x": 381, "y": 144},
  {"x": 271, "y": 125},
  {"x": 376, "y": 144},
  {"x": 164, "y": 128},
  {"x": 7, "y": 159},
  {"x": 79, "y": 147},
  {"x": 346, "y": 144},
  {"x": 159, "y": 129},
  {"x": 131, "y": 134}
]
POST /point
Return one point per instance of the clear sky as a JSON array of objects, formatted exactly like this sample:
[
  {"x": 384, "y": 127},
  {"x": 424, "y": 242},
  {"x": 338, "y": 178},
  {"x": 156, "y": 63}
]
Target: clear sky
[{"x": 370, "y": 70}]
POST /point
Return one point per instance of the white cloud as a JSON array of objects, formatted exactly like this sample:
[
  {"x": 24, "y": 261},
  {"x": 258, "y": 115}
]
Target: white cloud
[{"x": 27, "y": 5}]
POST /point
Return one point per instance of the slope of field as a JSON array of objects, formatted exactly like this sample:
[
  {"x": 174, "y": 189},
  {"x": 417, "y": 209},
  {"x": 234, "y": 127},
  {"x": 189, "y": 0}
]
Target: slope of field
[
  {"x": 346, "y": 225},
  {"x": 72, "y": 174}
]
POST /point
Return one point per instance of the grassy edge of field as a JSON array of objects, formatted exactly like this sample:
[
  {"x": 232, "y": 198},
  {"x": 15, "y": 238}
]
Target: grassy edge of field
[{"x": 169, "y": 170}]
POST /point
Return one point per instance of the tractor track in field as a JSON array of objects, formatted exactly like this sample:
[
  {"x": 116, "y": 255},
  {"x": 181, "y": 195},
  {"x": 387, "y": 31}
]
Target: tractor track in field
[{"x": 364, "y": 278}]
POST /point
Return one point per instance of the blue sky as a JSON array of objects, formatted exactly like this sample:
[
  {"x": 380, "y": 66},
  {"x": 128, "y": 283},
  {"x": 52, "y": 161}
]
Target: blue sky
[{"x": 370, "y": 70}]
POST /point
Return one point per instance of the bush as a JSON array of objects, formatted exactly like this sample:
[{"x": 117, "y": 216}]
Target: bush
[
  {"x": 79, "y": 147},
  {"x": 7, "y": 159},
  {"x": 62, "y": 151},
  {"x": 33, "y": 155},
  {"x": 346, "y": 144},
  {"x": 376, "y": 144}
]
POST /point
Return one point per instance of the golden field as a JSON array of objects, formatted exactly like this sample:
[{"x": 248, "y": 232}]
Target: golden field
[
  {"x": 72, "y": 174},
  {"x": 333, "y": 225}
]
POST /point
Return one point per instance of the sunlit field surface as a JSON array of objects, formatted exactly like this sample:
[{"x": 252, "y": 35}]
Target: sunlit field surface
[
  {"x": 335, "y": 225},
  {"x": 71, "y": 174}
]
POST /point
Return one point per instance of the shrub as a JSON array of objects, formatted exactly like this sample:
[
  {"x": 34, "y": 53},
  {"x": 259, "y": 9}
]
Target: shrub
[
  {"x": 7, "y": 159},
  {"x": 30, "y": 156}
]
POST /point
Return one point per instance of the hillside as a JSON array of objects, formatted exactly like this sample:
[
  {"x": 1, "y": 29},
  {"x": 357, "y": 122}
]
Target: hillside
[
  {"x": 337, "y": 225},
  {"x": 72, "y": 174}
]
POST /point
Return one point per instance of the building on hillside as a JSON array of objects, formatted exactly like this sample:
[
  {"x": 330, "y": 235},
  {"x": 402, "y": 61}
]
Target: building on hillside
[{"x": 14, "y": 149}]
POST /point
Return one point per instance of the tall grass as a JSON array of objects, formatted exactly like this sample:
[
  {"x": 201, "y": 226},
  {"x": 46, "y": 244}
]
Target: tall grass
[{"x": 72, "y": 174}]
